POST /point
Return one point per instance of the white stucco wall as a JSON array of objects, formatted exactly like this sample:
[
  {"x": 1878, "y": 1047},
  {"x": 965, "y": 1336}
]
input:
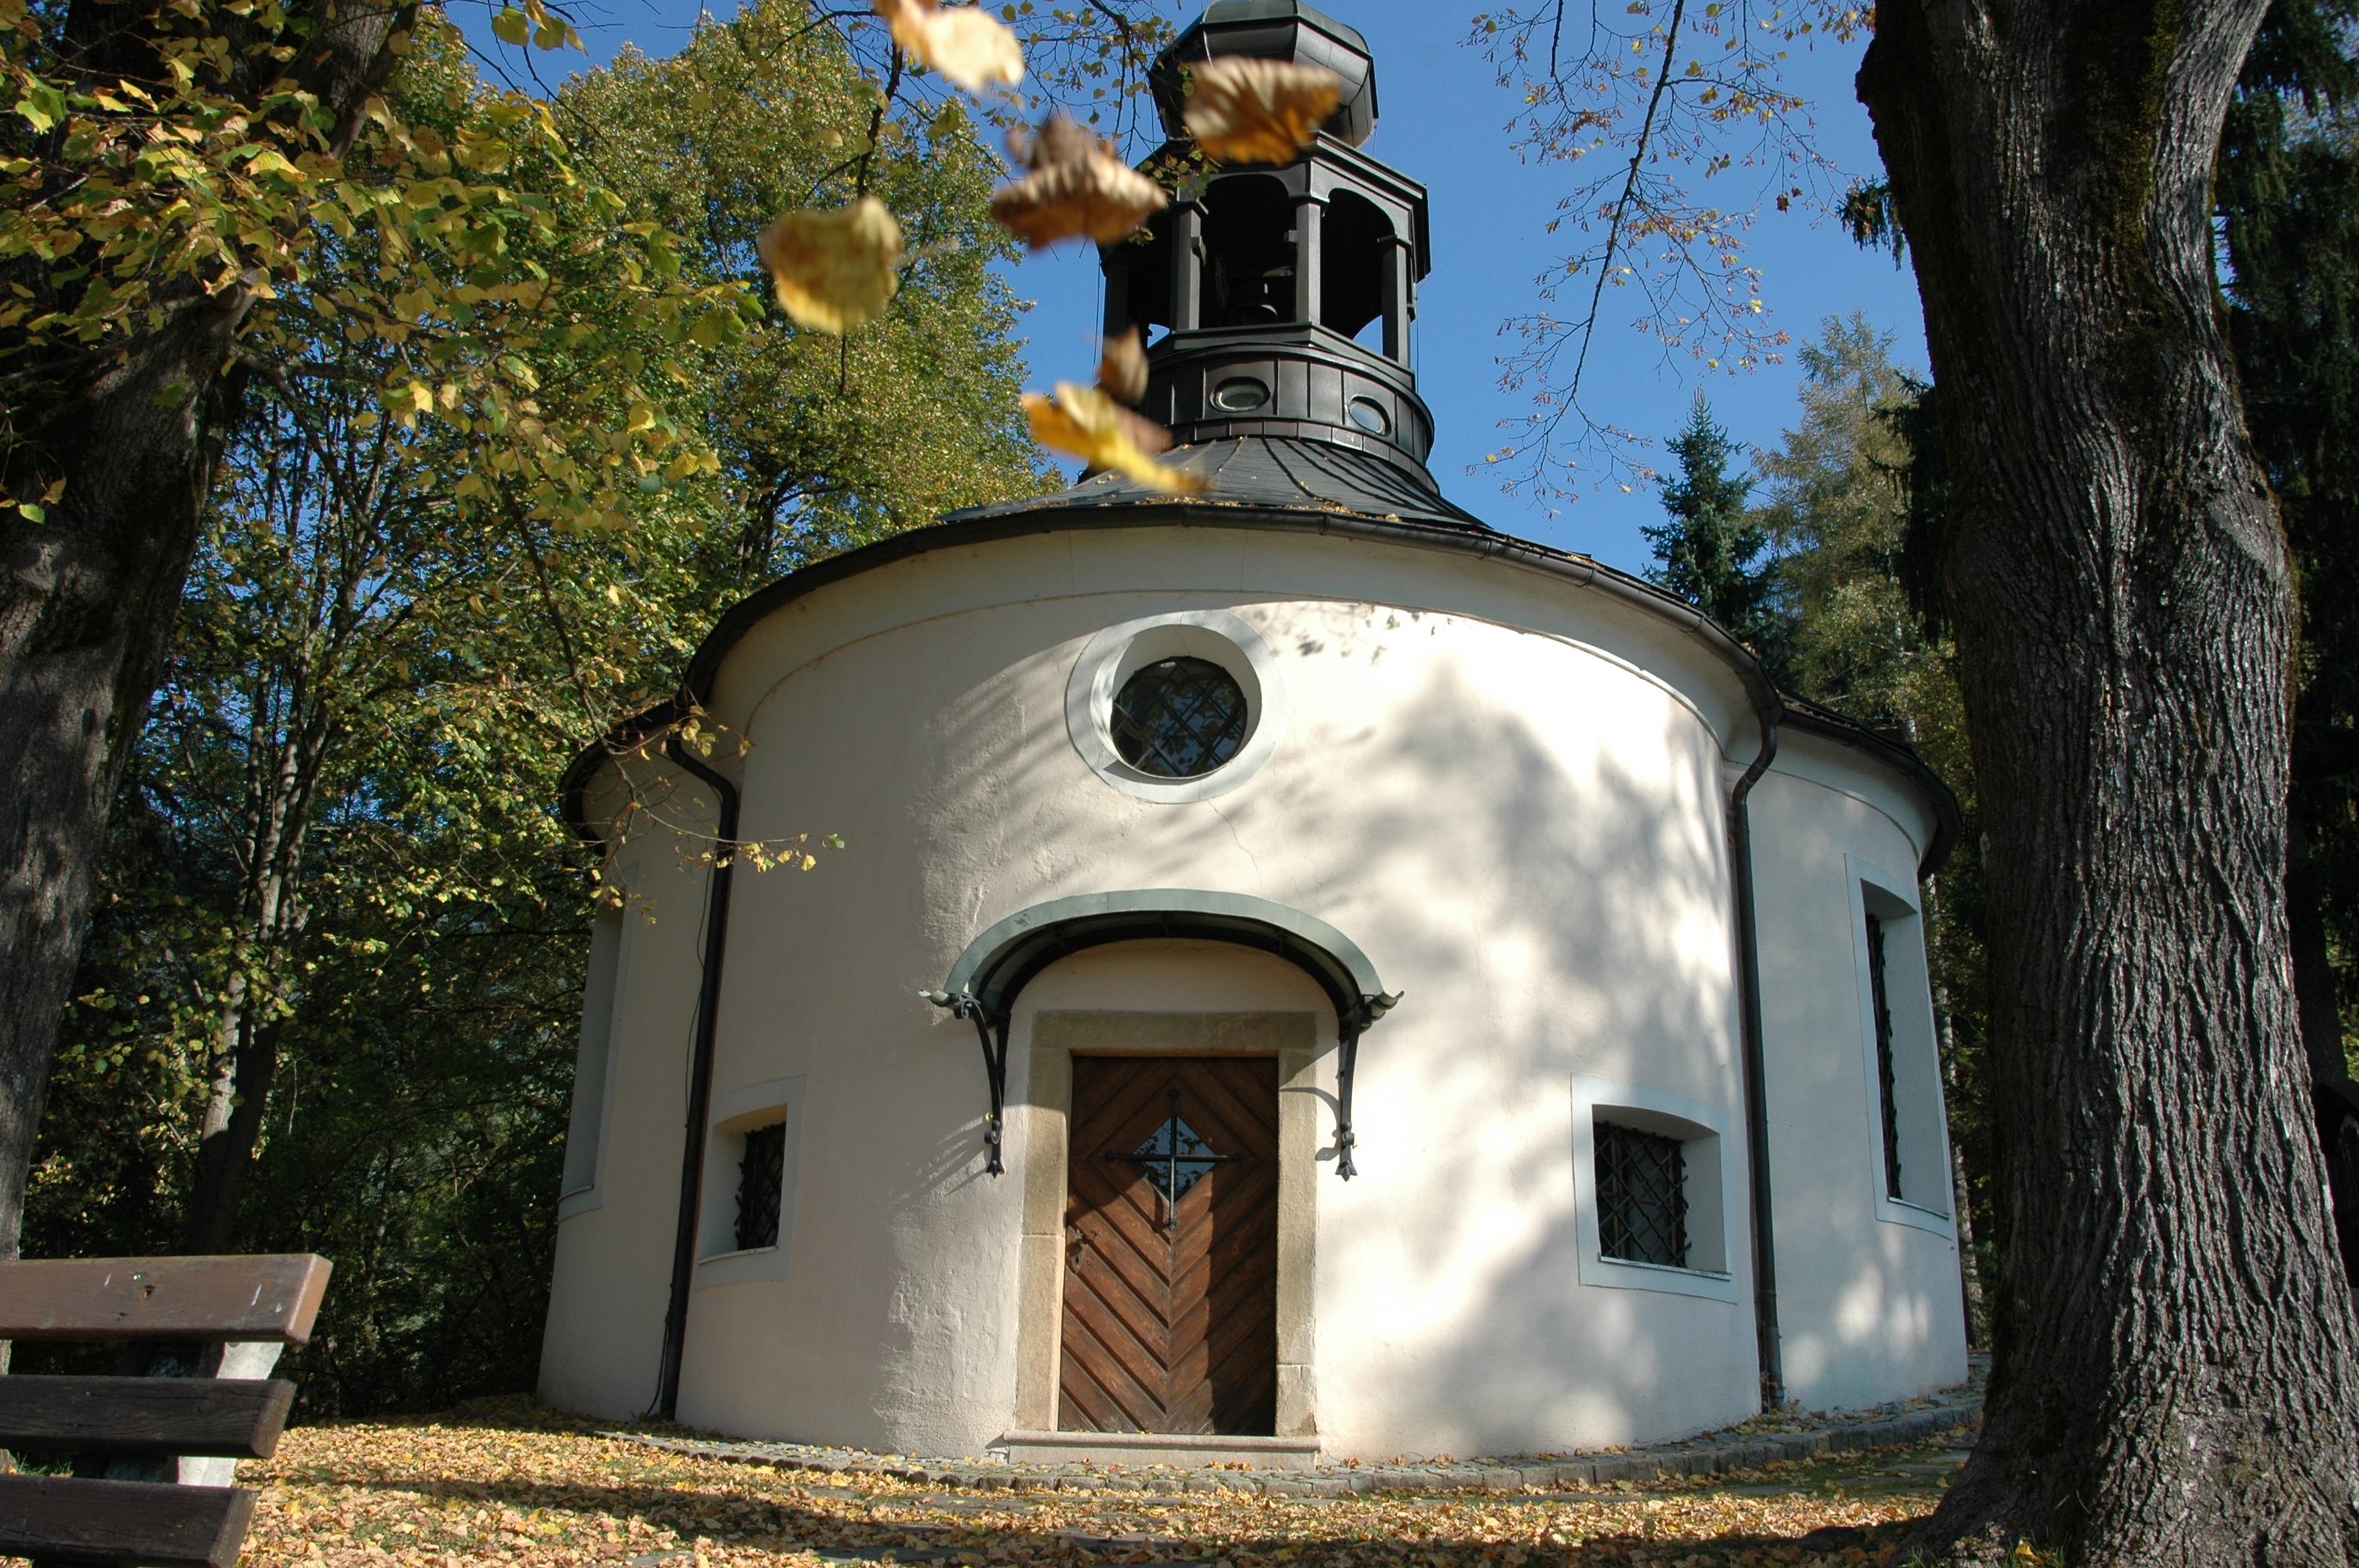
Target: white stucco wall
[
  {"x": 1867, "y": 1289},
  {"x": 1508, "y": 792},
  {"x": 615, "y": 1243}
]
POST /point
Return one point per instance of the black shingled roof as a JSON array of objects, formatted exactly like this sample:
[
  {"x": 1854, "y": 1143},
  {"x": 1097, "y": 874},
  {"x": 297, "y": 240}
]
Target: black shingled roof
[{"x": 1271, "y": 473}]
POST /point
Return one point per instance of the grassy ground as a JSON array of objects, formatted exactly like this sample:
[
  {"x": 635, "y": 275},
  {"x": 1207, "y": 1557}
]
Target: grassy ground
[{"x": 444, "y": 1492}]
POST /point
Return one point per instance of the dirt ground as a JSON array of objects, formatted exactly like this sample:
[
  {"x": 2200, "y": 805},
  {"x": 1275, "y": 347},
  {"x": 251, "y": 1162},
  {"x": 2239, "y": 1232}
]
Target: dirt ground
[{"x": 446, "y": 1491}]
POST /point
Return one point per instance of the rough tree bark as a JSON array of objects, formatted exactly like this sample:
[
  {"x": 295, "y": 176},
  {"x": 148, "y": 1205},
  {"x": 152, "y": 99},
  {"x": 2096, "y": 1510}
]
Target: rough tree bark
[
  {"x": 2174, "y": 1380},
  {"x": 87, "y": 595}
]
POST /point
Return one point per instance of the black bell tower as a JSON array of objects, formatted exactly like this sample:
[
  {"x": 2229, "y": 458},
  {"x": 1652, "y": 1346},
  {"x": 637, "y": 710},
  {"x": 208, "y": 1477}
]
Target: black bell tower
[{"x": 1268, "y": 277}]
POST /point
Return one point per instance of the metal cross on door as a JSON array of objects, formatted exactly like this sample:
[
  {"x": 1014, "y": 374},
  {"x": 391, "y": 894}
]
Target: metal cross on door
[{"x": 1171, "y": 1246}]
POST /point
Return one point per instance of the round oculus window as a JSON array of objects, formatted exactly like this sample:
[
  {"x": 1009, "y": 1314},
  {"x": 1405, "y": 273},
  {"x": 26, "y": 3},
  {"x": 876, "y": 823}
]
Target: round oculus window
[
  {"x": 1241, "y": 395},
  {"x": 1178, "y": 718},
  {"x": 1369, "y": 415}
]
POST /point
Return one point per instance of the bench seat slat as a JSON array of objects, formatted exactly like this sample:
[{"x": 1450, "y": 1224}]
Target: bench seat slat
[
  {"x": 271, "y": 1298},
  {"x": 101, "y": 1523},
  {"x": 226, "y": 1417}
]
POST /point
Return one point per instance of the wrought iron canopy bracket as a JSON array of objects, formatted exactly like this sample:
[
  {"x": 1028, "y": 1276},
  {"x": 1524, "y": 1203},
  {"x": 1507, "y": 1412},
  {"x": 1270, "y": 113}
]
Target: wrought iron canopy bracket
[
  {"x": 1349, "y": 1026},
  {"x": 991, "y": 1032}
]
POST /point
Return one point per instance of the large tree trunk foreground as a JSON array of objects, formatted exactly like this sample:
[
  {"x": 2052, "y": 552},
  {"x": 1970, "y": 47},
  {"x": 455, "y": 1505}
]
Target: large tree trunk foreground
[{"x": 2174, "y": 1381}]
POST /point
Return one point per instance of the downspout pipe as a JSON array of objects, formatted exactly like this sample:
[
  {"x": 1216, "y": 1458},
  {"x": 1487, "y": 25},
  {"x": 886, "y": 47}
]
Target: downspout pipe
[
  {"x": 1756, "y": 1076},
  {"x": 699, "y": 1079}
]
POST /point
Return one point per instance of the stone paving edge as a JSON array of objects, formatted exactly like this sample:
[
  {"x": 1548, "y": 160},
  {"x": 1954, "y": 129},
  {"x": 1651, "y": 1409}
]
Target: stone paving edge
[{"x": 1698, "y": 1457}]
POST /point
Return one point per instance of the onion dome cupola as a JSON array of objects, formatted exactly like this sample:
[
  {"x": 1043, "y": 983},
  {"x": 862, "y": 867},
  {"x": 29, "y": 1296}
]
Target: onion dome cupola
[{"x": 1267, "y": 276}]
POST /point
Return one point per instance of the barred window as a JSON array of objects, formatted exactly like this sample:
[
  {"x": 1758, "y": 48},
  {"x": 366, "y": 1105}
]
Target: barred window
[
  {"x": 1179, "y": 718},
  {"x": 1642, "y": 1205},
  {"x": 761, "y": 1177}
]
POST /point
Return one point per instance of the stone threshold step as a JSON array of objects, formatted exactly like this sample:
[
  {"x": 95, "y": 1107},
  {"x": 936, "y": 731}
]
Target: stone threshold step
[{"x": 1186, "y": 1451}]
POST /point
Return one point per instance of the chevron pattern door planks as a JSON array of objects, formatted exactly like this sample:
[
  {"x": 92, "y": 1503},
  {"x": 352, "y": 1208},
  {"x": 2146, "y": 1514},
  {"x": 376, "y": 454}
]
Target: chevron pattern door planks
[{"x": 1171, "y": 1246}]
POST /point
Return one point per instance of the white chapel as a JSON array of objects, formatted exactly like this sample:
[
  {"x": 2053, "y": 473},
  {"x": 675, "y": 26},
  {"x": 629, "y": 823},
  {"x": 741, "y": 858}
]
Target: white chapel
[{"x": 1309, "y": 969}]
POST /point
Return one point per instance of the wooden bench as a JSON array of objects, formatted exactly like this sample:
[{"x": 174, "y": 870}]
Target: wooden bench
[{"x": 156, "y": 1450}]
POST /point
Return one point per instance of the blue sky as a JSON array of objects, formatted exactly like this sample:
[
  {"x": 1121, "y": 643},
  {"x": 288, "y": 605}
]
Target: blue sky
[{"x": 1445, "y": 123}]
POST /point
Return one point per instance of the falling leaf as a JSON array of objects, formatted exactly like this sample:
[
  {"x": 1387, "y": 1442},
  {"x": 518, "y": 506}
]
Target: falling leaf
[
  {"x": 1090, "y": 425},
  {"x": 1244, "y": 109},
  {"x": 1123, "y": 371},
  {"x": 1060, "y": 138},
  {"x": 833, "y": 270},
  {"x": 967, "y": 45},
  {"x": 1077, "y": 189}
]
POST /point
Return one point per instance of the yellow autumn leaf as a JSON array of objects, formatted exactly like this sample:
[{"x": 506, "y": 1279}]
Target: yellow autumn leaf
[
  {"x": 833, "y": 270},
  {"x": 967, "y": 45},
  {"x": 1248, "y": 110},
  {"x": 1122, "y": 371},
  {"x": 1089, "y": 424},
  {"x": 270, "y": 162}
]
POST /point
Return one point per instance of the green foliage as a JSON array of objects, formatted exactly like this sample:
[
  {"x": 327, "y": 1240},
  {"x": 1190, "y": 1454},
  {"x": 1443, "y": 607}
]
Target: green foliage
[
  {"x": 339, "y": 892},
  {"x": 1840, "y": 520},
  {"x": 827, "y": 442},
  {"x": 1711, "y": 553},
  {"x": 213, "y": 183}
]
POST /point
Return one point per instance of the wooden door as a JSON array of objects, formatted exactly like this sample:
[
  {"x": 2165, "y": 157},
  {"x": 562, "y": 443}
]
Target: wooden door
[{"x": 1171, "y": 1295}]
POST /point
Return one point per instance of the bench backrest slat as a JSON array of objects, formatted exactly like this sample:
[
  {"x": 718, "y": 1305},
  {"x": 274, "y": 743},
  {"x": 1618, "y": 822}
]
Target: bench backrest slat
[
  {"x": 265, "y": 1298},
  {"x": 198, "y": 1418},
  {"x": 53, "y": 1519}
]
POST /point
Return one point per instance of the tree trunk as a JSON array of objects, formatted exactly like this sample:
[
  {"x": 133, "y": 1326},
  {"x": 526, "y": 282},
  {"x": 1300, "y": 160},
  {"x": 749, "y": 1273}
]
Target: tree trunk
[
  {"x": 232, "y": 1126},
  {"x": 85, "y": 605},
  {"x": 87, "y": 596},
  {"x": 2175, "y": 1382}
]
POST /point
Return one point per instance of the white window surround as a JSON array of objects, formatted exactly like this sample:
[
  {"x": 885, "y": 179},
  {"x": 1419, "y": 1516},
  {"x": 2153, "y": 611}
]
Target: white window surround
[
  {"x": 1127, "y": 647},
  {"x": 1714, "y": 1201},
  {"x": 594, "y": 1062},
  {"x": 1917, "y": 1064},
  {"x": 735, "y": 1114}
]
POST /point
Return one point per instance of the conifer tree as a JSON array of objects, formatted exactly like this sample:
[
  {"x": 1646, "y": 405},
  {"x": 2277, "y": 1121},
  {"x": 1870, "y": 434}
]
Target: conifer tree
[{"x": 1710, "y": 550}]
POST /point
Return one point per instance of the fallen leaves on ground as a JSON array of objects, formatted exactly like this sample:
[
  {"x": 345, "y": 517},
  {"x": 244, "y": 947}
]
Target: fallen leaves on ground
[
  {"x": 1244, "y": 109},
  {"x": 1077, "y": 189},
  {"x": 967, "y": 45},
  {"x": 436, "y": 1493},
  {"x": 1086, "y": 423},
  {"x": 833, "y": 270}
]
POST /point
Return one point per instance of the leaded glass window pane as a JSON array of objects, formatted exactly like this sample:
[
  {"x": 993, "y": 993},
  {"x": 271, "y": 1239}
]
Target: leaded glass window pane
[
  {"x": 1642, "y": 1203},
  {"x": 1178, "y": 718}
]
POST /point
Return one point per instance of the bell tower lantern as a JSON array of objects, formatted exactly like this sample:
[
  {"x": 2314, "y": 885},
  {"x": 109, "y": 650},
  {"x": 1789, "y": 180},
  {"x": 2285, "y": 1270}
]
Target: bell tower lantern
[{"x": 1285, "y": 291}]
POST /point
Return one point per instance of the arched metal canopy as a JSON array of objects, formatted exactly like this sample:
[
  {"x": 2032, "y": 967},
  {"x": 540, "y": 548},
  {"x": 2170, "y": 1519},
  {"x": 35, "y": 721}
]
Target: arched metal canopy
[
  {"x": 997, "y": 967},
  {"x": 1003, "y": 960}
]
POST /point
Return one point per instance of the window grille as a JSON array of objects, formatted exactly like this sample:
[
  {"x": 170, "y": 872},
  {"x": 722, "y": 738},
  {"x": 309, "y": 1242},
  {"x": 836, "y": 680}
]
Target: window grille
[
  {"x": 761, "y": 1177},
  {"x": 1178, "y": 718},
  {"x": 1176, "y": 1158},
  {"x": 1886, "y": 1087},
  {"x": 1642, "y": 1201}
]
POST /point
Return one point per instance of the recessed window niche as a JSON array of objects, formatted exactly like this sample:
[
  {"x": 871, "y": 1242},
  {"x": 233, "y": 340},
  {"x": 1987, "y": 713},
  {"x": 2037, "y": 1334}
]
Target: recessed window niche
[{"x": 752, "y": 1154}]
